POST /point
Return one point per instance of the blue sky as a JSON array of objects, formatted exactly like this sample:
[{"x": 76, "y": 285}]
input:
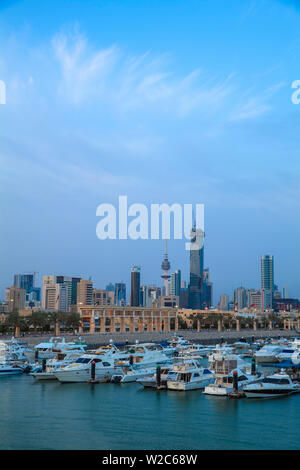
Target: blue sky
[{"x": 174, "y": 101}]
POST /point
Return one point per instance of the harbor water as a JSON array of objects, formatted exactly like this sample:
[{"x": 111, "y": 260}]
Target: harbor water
[{"x": 50, "y": 415}]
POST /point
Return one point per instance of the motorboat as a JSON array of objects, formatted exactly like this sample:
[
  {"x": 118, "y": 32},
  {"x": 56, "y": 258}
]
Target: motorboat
[
  {"x": 166, "y": 373},
  {"x": 195, "y": 350},
  {"x": 143, "y": 356},
  {"x": 49, "y": 349},
  {"x": 47, "y": 370},
  {"x": 288, "y": 353},
  {"x": 268, "y": 353},
  {"x": 131, "y": 374},
  {"x": 223, "y": 384},
  {"x": 190, "y": 376},
  {"x": 81, "y": 369},
  {"x": 8, "y": 369},
  {"x": 279, "y": 384}
]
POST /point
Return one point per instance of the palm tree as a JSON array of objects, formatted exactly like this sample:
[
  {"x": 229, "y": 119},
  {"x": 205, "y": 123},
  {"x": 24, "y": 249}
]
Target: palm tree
[{"x": 37, "y": 320}]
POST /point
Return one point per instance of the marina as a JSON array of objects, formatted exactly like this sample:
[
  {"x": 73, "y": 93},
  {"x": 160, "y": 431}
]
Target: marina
[{"x": 90, "y": 399}]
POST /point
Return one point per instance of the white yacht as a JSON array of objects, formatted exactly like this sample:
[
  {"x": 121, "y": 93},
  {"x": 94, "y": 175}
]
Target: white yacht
[
  {"x": 287, "y": 353},
  {"x": 166, "y": 373},
  {"x": 131, "y": 374},
  {"x": 190, "y": 376},
  {"x": 268, "y": 353},
  {"x": 144, "y": 355},
  {"x": 195, "y": 350},
  {"x": 62, "y": 359},
  {"x": 275, "y": 385},
  {"x": 7, "y": 369},
  {"x": 223, "y": 384},
  {"x": 80, "y": 370},
  {"x": 49, "y": 349}
]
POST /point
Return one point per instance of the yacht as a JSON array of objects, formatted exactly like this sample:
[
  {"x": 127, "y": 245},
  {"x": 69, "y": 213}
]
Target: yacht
[
  {"x": 223, "y": 384},
  {"x": 287, "y": 353},
  {"x": 131, "y": 374},
  {"x": 190, "y": 376},
  {"x": 195, "y": 350},
  {"x": 166, "y": 373},
  {"x": 144, "y": 355},
  {"x": 80, "y": 370},
  {"x": 8, "y": 369},
  {"x": 48, "y": 349},
  {"x": 62, "y": 359},
  {"x": 268, "y": 353},
  {"x": 279, "y": 384}
]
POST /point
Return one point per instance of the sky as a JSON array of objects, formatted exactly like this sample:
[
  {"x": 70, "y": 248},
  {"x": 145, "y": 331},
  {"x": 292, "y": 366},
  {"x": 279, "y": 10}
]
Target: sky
[{"x": 180, "y": 101}]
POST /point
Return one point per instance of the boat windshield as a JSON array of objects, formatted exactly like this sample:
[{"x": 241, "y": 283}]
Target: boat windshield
[
  {"x": 83, "y": 360},
  {"x": 185, "y": 377},
  {"x": 270, "y": 380}
]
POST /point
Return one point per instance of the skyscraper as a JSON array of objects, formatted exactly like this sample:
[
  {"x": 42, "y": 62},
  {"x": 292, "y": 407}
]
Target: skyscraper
[
  {"x": 120, "y": 293},
  {"x": 135, "y": 286},
  {"x": 240, "y": 298},
  {"x": 267, "y": 272},
  {"x": 196, "y": 269},
  {"x": 176, "y": 284},
  {"x": 207, "y": 290}
]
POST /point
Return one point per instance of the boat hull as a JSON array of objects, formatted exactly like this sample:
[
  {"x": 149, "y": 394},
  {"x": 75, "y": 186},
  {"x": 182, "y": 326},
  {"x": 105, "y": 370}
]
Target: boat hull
[
  {"x": 183, "y": 386},
  {"x": 267, "y": 393},
  {"x": 83, "y": 375}
]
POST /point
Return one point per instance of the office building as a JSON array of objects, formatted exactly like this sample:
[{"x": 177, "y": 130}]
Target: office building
[
  {"x": 15, "y": 298},
  {"x": 267, "y": 272},
  {"x": 240, "y": 298},
  {"x": 120, "y": 293},
  {"x": 85, "y": 292},
  {"x": 196, "y": 269},
  {"x": 135, "y": 286}
]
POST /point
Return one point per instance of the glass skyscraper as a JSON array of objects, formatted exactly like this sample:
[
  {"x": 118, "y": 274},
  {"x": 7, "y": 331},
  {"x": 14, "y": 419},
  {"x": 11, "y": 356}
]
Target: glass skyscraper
[
  {"x": 135, "y": 286},
  {"x": 196, "y": 269},
  {"x": 267, "y": 272}
]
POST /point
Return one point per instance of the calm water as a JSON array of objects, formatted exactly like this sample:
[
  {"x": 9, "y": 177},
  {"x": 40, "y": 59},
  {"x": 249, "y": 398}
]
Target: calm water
[{"x": 35, "y": 415}]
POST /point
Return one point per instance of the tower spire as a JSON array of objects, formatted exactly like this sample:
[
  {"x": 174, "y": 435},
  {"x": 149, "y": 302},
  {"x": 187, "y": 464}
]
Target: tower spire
[{"x": 165, "y": 266}]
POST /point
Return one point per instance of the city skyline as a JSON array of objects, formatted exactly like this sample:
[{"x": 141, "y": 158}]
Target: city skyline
[
  {"x": 64, "y": 290},
  {"x": 97, "y": 106}
]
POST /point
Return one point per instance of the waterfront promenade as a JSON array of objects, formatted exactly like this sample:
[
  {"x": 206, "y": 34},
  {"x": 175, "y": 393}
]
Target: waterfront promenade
[{"x": 204, "y": 336}]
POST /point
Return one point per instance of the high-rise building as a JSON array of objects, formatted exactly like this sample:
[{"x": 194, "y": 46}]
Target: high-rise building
[
  {"x": 207, "y": 290},
  {"x": 259, "y": 299},
  {"x": 285, "y": 292},
  {"x": 15, "y": 298},
  {"x": 110, "y": 287},
  {"x": 267, "y": 272},
  {"x": 24, "y": 281},
  {"x": 103, "y": 297},
  {"x": 175, "y": 288},
  {"x": 120, "y": 293},
  {"x": 224, "y": 302},
  {"x": 84, "y": 292},
  {"x": 135, "y": 286},
  {"x": 240, "y": 298},
  {"x": 196, "y": 269},
  {"x": 56, "y": 295}
]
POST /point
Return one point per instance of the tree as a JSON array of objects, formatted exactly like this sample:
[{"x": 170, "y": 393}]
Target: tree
[
  {"x": 38, "y": 320},
  {"x": 73, "y": 320}
]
